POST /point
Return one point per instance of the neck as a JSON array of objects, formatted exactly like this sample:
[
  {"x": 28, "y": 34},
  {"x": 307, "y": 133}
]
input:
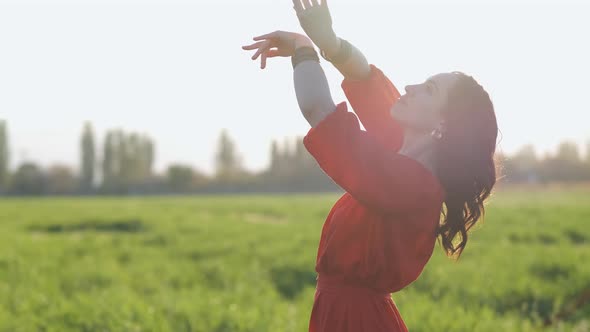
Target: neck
[{"x": 419, "y": 145}]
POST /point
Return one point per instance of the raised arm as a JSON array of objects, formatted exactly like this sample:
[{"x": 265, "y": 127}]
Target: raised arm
[
  {"x": 316, "y": 21},
  {"x": 370, "y": 93},
  {"x": 354, "y": 67},
  {"x": 311, "y": 86},
  {"x": 373, "y": 173}
]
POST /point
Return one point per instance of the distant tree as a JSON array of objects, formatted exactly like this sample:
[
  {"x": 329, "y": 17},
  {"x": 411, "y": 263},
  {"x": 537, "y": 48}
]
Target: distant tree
[
  {"x": 303, "y": 158},
  {"x": 565, "y": 165},
  {"x": 112, "y": 163},
  {"x": 122, "y": 173},
  {"x": 569, "y": 152},
  {"x": 88, "y": 158},
  {"x": 524, "y": 165},
  {"x": 131, "y": 159},
  {"x": 138, "y": 159},
  {"x": 183, "y": 178},
  {"x": 4, "y": 156},
  {"x": 503, "y": 166},
  {"x": 179, "y": 177},
  {"x": 28, "y": 180},
  {"x": 60, "y": 180},
  {"x": 228, "y": 164},
  {"x": 107, "y": 160},
  {"x": 288, "y": 167},
  {"x": 128, "y": 162},
  {"x": 275, "y": 157},
  {"x": 527, "y": 157},
  {"x": 281, "y": 159},
  {"x": 147, "y": 156}
]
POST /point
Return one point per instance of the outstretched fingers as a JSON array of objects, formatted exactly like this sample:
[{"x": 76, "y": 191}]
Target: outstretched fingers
[
  {"x": 253, "y": 46},
  {"x": 302, "y": 5},
  {"x": 266, "y": 36},
  {"x": 298, "y": 6},
  {"x": 263, "y": 61},
  {"x": 263, "y": 48}
]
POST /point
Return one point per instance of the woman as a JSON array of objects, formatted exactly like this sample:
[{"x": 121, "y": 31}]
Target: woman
[{"x": 420, "y": 172}]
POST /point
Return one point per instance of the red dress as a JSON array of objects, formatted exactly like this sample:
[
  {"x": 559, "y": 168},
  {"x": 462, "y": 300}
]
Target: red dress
[{"x": 380, "y": 234}]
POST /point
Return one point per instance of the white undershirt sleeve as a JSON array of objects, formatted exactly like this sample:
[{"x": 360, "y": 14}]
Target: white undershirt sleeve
[{"x": 312, "y": 91}]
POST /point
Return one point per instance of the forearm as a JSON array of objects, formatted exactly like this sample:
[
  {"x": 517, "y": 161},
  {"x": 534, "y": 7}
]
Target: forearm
[
  {"x": 316, "y": 21},
  {"x": 312, "y": 91},
  {"x": 356, "y": 67}
]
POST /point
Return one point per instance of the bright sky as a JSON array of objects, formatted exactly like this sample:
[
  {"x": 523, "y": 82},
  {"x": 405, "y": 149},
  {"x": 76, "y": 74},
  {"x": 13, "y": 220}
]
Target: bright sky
[{"x": 176, "y": 71}]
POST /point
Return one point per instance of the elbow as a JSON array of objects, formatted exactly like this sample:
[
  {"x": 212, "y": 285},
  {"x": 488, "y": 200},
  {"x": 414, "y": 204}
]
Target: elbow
[
  {"x": 317, "y": 117},
  {"x": 308, "y": 114},
  {"x": 308, "y": 106},
  {"x": 319, "y": 112},
  {"x": 313, "y": 115},
  {"x": 315, "y": 111}
]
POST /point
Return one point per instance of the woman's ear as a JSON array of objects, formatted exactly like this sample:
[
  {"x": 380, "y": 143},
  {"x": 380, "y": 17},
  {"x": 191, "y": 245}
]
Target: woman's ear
[{"x": 439, "y": 131}]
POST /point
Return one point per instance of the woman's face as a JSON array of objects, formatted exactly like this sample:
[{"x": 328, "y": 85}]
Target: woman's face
[{"x": 420, "y": 108}]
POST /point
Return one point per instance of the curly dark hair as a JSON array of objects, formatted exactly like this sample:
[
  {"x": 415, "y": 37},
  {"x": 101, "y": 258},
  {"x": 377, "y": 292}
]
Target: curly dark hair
[{"x": 466, "y": 165}]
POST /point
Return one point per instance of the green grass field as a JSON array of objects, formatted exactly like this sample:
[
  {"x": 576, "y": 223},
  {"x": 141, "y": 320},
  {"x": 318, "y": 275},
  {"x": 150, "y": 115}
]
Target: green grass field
[{"x": 246, "y": 263}]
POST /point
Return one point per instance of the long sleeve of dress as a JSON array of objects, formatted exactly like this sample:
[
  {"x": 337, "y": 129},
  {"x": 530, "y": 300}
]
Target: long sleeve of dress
[
  {"x": 374, "y": 174},
  {"x": 372, "y": 100}
]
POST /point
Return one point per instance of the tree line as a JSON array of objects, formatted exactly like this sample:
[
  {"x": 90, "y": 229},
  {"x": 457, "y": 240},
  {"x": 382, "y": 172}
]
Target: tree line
[
  {"x": 565, "y": 165},
  {"x": 123, "y": 164}
]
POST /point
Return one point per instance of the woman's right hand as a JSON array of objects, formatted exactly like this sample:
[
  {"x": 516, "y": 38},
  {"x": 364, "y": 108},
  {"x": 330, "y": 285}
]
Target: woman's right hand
[{"x": 278, "y": 43}]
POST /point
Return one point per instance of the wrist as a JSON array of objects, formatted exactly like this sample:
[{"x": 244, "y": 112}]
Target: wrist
[
  {"x": 303, "y": 42},
  {"x": 304, "y": 53},
  {"x": 332, "y": 48},
  {"x": 341, "y": 55}
]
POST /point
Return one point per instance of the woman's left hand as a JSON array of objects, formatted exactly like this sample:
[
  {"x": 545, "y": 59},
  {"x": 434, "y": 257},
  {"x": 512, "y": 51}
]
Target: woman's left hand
[
  {"x": 278, "y": 43},
  {"x": 316, "y": 21}
]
